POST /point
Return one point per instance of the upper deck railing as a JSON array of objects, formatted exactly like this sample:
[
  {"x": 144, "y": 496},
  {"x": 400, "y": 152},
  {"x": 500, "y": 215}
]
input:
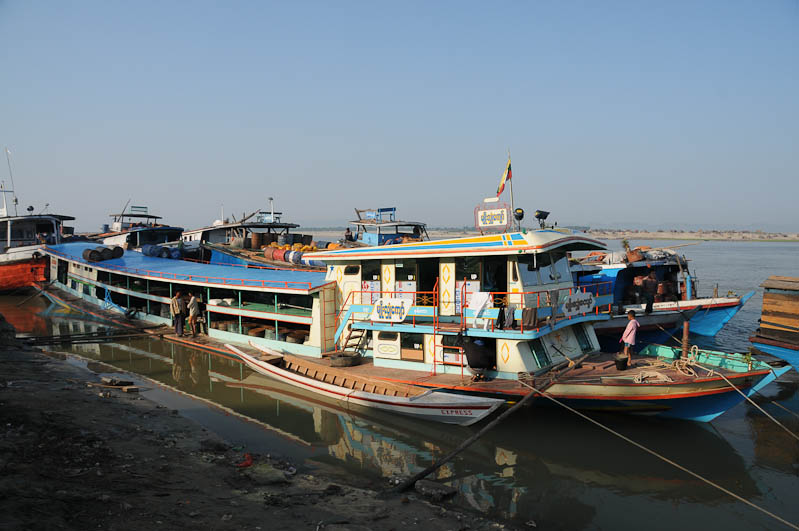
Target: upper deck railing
[{"x": 549, "y": 306}]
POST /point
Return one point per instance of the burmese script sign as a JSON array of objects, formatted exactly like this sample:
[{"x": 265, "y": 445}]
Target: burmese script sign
[
  {"x": 577, "y": 303},
  {"x": 493, "y": 219},
  {"x": 390, "y": 310}
]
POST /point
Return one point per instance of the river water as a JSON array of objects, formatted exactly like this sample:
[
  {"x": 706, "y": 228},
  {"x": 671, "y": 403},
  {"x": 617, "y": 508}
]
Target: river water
[{"x": 543, "y": 464}]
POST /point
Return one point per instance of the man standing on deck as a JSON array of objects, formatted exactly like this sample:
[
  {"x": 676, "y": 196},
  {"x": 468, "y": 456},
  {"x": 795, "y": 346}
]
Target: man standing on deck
[
  {"x": 194, "y": 313},
  {"x": 628, "y": 338},
  {"x": 177, "y": 307}
]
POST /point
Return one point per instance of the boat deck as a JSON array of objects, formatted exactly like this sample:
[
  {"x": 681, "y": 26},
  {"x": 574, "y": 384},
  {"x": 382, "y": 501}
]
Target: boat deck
[
  {"x": 599, "y": 369},
  {"x": 202, "y": 341}
]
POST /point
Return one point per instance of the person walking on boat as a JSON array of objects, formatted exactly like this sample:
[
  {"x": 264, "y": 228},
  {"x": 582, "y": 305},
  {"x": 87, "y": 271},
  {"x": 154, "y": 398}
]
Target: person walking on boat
[
  {"x": 177, "y": 307},
  {"x": 194, "y": 313},
  {"x": 628, "y": 338}
]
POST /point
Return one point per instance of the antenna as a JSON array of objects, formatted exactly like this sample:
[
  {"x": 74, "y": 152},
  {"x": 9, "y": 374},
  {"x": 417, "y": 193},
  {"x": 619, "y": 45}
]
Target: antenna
[
  {"x": 272, "y": 207},
  {"x": 13, "y": 188},
  {"x": 123, "y": 210}
]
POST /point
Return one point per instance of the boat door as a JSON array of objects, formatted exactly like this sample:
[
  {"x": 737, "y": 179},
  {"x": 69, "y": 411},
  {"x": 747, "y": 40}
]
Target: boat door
[{"x": 63, "y": 268}]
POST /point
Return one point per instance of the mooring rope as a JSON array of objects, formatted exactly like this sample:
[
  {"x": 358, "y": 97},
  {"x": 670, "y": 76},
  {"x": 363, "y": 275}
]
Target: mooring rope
[
  {"x": 777, "y": 422},
  {"x": 663, "y": 458}
]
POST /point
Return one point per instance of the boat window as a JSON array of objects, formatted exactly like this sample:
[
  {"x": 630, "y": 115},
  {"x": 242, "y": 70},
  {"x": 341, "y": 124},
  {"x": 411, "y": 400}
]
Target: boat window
[
  {"x": 530, "y": 266},
  {"x": 515, "y": 270},
  {"x": 582, "y": 339},
  {"x": 352, "y": 270},
  {"x": 387, "y": 336},
  {"x": 371, "y": 270},
  {"x": 467, "y": 267},
  {"x": 405, "y": 270},
  {"x": 540, "y": 353},
  {"x": 559, "y": 270}
]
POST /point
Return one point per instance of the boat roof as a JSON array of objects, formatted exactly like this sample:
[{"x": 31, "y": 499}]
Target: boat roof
[
  {"x": 490, "y": 244},
  {"x": 211, "y": 275},
  {"x": 135, "y": 215},
  {"x": 136, "y": 228},
  {"x": 59, "y": 217},
  {"x": 246, "y": 225},
  {"x": 375, "y": 223}
]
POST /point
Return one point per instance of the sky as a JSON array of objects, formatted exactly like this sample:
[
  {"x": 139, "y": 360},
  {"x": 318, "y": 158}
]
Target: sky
[{"x": 631, "y": 114}]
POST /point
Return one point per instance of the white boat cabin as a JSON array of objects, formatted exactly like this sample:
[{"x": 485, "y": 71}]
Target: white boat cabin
[{"x": 423, "y": 305}]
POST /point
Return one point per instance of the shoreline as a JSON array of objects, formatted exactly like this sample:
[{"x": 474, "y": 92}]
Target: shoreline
[{"x": 75, "y": 456}]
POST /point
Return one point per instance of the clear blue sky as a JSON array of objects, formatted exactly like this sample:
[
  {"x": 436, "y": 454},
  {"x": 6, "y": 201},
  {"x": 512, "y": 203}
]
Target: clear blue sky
[{"x": 616, "y": 113}]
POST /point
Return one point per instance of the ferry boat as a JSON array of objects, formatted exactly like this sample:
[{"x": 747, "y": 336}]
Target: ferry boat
[
  {"x": 663, "y": 276},
  {"x": 778, "y": 333},
  {"x": 491, "y": 316},
  {"x": 135, "y": 228},
  {"x": 22, "y": 263}
]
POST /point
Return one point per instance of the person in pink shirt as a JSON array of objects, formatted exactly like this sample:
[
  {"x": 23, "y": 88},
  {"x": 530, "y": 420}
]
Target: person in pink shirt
[{"x": 628, "y": 338}]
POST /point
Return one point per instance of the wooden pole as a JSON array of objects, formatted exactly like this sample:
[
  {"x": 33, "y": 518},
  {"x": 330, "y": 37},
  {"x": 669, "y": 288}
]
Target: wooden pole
[
  {"x": 686, "y": 338},
  {"x": 408, "y": 483}
]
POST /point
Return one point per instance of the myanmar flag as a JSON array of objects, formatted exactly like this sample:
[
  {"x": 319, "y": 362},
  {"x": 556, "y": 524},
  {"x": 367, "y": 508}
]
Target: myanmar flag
[{"x": 505, "y": 177}]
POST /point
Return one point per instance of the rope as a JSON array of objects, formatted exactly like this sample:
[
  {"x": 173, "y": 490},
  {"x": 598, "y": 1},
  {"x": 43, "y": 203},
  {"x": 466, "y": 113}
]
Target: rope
[
  {"x": 663, "y": 458},
  {"x": 777, "y": 422}
]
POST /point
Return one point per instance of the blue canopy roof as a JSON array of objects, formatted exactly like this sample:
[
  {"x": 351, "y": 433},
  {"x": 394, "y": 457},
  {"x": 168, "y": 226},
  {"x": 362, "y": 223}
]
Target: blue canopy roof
[{"x": 137, "y": 264}]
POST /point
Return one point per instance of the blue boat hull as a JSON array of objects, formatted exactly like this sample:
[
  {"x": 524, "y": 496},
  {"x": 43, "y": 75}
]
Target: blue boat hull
[
  {"x": 709, "y": 322},
  {"x": 699, "y": 409},
  {"x": 787, "y": 354}
]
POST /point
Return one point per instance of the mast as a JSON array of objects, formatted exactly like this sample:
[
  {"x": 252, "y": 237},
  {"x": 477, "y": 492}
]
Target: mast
[{"x": 13, "y": 188}]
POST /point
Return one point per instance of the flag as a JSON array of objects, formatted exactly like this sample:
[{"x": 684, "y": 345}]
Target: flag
[{"x": 505, "y": 177}]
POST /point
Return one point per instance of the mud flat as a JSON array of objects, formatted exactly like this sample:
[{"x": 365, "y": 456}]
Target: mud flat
[{"x": 73, "y": 456}]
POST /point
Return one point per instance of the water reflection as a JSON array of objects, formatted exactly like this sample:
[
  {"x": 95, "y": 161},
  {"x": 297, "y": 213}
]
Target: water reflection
[{"x": 541, "y": 464}]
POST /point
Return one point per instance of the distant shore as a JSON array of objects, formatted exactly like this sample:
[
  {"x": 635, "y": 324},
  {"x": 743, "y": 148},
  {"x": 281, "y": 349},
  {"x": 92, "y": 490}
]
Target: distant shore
[
  {"x": 612, "y": 234},
  {"x": 723, "y": 235}
]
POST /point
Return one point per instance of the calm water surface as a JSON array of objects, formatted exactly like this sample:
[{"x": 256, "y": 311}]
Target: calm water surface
[{"x": 542, "y": 464}]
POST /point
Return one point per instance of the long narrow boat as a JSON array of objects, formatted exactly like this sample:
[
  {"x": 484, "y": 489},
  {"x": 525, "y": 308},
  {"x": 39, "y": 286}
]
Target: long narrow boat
[{"x": 372, "y": 393}]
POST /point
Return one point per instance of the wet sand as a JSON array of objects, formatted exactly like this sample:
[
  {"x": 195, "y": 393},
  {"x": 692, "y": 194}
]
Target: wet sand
[{"x": 74, "y": 456}]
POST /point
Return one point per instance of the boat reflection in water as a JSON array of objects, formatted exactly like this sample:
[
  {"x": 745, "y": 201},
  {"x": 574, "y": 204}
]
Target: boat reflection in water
[{"x": 541, "y": 464}]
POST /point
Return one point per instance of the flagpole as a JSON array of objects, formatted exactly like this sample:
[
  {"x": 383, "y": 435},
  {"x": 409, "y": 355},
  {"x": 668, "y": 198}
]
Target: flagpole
[{"x": 512, "y": 208}]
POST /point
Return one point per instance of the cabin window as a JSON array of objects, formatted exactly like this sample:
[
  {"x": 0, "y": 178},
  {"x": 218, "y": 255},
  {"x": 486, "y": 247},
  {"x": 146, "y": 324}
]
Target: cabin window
[
  {"x": 156, "y": 287},
  {"x": 405, "y": 270},
  {"x": 529, "y": 267},
  {"x": 559, "y": 269},
  {"x": 495, "y": 274},
  {"x": 467, "y": 267},
  {"x": 73, "y": 284},
  {"x": 371, "y": 270},
  {"x": 412, "y": 347},
  {"x": 582, "y": 339},
  {"x": 352, "y": 269},
  {"x": 515, "y": 271},
  {"x": 387, "y": 336},
  {"x": 540, "y": 353}
]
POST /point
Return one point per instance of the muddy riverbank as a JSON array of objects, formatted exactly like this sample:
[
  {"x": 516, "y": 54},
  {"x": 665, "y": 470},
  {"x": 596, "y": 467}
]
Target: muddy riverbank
[{"x": 74, "y": 456}]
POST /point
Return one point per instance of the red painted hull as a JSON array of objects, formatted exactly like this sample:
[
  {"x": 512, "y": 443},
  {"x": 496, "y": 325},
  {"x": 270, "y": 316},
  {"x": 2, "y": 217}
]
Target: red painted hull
[{"x": 23, "y": 273}]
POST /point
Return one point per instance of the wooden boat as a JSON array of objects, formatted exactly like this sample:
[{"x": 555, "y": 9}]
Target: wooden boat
[
  {"x": 672, "y": 293},
  {"x": 778, "y": 333},
  {"x": 22, "y": 239},
  {"x": 372, "y": 393}
]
